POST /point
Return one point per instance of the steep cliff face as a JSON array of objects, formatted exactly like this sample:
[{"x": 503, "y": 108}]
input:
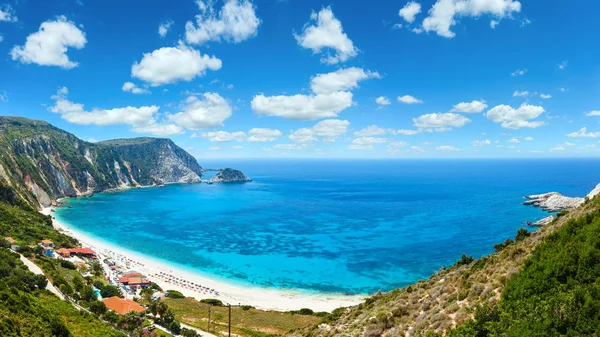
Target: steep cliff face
[{"x": 43, "y": 163}]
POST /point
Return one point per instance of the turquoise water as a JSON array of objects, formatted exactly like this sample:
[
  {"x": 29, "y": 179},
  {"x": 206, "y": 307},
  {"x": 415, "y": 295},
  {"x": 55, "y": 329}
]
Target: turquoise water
[{"x": 331, "y": 226}]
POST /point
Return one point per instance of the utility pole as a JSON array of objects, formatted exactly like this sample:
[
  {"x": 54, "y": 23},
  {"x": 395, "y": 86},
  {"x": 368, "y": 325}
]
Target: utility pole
[{"x": 229, "y": 305}]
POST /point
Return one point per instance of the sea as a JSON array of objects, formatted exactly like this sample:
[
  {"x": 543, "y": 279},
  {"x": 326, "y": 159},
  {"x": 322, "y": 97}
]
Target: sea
[{"x": 331, "y": 226}]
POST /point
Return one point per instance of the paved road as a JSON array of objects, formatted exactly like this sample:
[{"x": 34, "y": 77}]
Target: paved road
[{"x": 38, "y": 271}]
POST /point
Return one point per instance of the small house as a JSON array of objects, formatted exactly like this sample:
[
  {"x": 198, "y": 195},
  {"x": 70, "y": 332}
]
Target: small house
[
  {"x": 122, "y": 306},
  {"x": 13, "y": 244},
  {"x": 48, "y": 247}
]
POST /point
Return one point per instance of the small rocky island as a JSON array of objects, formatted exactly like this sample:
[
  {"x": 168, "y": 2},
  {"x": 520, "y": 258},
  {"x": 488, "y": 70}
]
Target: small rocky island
[
  {"x": 229, "y": 176},
  {"x": 555, "y": 202}
]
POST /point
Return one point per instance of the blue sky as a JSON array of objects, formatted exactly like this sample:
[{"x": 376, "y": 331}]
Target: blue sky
[{"x": 324, "y": 79}]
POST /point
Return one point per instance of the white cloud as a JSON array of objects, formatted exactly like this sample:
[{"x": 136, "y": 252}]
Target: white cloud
[
  {"x": 545, "y": 96},
  {"x": 405, "y": 132},
  {"x": 302, "y": 107},
  {"x": 164, "y": 27},
  {"x": 410, "y": 11},
  {"x": 134, "y": 89},
  {"x": 440, "y": 122},
  {"x": 568, "y": 144},
  {"x": 514, "y": 141},
  {"x": 511, "y": 118},
  {"x": 3, "y": 96},
  {"x": 235, "y": 22},
  {"x": 594, "y": 113},
  {"x": 396, "y": 144},
  {"x": 210, "y": 111},
  {"x": 7, "y": 13},
  {"x": 517, "y": 93},
  {"x": 370, "y": 131},
  {"x": 223, "y": 136},
  {"x": 417, "y": 149},
  {"x": 528, "y": 139},
  {"x": 328, "y": 130},
  {"x": 518, "y": 72},
  {"x": 447, "y": 148},
  {"x": 563, "y": 65},
  {"x": 494, "y": 23},
  {"x": 408, "y": 99},
  {"x": 214, "y": 148},
  {"x": 340, "y": 80},
  {"x": 557, "y": 148},
  {"x": 563, "y": 89},
  {"x": 365, "y": 143},
  {"x": 48, "y": 46},
  {"x": 382, "y": 100},
  {"x": 443, "y": 14},
  {"x": 584, "y": 134},
  {"x": 397, "y": 26},
  {"x": 327, "y": 32},
  {"x": 260, "y": 135},
  {"x": 141, "y": 119},
  {"x": 480, "y": 143},
  {"x": 287, "y": 147},
  {"x": 171, "y": 64},
  {"x": 472, "y": 107}
]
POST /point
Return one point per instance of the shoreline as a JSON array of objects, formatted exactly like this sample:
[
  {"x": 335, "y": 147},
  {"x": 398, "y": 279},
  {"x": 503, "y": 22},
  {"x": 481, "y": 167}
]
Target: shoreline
[{"x": 261, "y": 298}]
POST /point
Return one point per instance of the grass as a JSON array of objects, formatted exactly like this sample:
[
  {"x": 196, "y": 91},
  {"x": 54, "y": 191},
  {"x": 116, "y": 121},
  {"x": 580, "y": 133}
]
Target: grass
[{"x": 250, "y": 323}]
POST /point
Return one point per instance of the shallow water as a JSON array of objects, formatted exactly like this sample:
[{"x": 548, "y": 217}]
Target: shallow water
[{"x": 331, "y": 226}]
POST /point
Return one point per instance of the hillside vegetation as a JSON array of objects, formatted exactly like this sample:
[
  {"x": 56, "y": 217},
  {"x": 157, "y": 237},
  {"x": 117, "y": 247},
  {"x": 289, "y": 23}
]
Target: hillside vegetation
[{"x": 542, "y": 283}]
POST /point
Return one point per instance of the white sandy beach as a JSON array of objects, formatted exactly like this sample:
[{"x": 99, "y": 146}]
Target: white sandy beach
[{"x": 262, "y": 298}]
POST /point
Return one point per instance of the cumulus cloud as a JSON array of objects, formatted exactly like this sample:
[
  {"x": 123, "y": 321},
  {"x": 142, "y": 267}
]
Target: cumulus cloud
[
  {"x": 444, "y": 13},
  {"x": 405, "y": 132},
  {"x": 514, "y": 141},
  {"x": 517, "y": 93},
  {"x": 324, "y": 31},
  {"x": 447, "y": 148},
  {"x": 528, "y": 139},
  {"x": 287, "y": 147},
  {"x": 410, "y": 11},
  {"x": 48, "y": 46},
  {"x": 545, "y": 96},
  {"x": 382, "y": 100},
  {"x": 365, "y": 143},
  {"x": 370, "y": 131},
  {"x": 261, "y": 135},
  {"x": 584, "y": 134},
  {"x": 134, "y": 89},
  {"x": 209, "y": 111},
  {"x": 7, "y": 13},
  {"x": 594, "y": 113},
  {"x": 141, "y": 119},
  {"x": 519, "y": 72},
  {"x": 408, "y": 99},
  {"x": 480, "y": 143},
  {"x": 557, "y": 148},
  {"x": 327, "y": 130},
  {"x": 470, "y": 107},
  {"x": 223, "y": 136},
  {"x": 440, "y": 122},
  {"x": 340, "y": 80},
  {"x": 235, "y": 22},
  {"x": 302, "y": 107},
  {"x": 171, "y": 64},
  {"x": 511, "y": 118},
  {"x": 164, "y": 27}
]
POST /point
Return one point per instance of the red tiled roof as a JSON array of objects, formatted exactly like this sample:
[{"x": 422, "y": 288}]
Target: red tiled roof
[
  {"x": 10, "y": 240},
  {"x": 121, "y": 306},
  {"x": 85, "y": 251},
  {"x": 46, "y": 241}
]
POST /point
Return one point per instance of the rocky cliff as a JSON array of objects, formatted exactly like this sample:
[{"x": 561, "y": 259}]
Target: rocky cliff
[{"x": 43, "y": 163}]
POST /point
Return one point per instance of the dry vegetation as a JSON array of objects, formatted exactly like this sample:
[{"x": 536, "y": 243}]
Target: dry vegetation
[{"x": 445, "y": 300}]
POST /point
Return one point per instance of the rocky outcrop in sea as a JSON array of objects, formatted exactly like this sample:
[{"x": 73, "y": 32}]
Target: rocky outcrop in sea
[
  {"x": 556, "y": 202},
  {"x": 229, "y": 176}
]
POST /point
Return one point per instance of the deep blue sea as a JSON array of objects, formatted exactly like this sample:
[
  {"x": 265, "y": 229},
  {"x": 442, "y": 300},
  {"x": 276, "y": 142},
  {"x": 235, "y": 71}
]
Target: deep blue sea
[{"x": 331, "y": 226}]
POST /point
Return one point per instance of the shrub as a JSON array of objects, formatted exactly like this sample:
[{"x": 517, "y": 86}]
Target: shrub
[
  {"x": 464, "y": 260},
  {"x": 305, "y": 311},
  {"x": 97, "y": 307},
  {"x": 67, "y": 264},
  {"x": 246, "y": 307},
  {"x": 212, "y": 301},
  {"x": 522, "y": 234},
  {"x": 175, "y": 294}
]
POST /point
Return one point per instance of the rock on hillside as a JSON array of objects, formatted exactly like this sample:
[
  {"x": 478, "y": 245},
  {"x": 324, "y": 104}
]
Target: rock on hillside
[
  {"x": 229, "y": 176},
  {"x": 43, "y": 163}
]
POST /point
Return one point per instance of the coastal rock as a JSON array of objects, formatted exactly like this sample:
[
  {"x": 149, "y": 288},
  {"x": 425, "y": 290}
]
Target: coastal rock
[
  {"x": 229, "y": 176},
  {"x": 543, "y": 222},
  {"x": 553, "y": 202},
  {"x": 594, "y": 192}
]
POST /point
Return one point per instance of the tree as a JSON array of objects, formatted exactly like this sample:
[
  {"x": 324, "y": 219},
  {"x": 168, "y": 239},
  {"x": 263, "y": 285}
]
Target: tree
[
  {"x": 97, "y": 268},
  {"x": 162, "y": 309},
  {"x": 41, "y": 281},
  {"x": 77, "y": 282},
  {"x": 146, "y": 294},
  {"x": 88, "y": 294},
  {"x": 169, "y": 317},
  {"x": 154, "y": 308},
  {"x": 175, "y": 327},
  {"x": 522, "y": 234},
  {"x": 133, "y": 320},
  {"x": 66, "y": 289},
  {"x": 189, "y": 333},
  {"x": 98, "y": 307},
  {"x": 111, "y": 316}
]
